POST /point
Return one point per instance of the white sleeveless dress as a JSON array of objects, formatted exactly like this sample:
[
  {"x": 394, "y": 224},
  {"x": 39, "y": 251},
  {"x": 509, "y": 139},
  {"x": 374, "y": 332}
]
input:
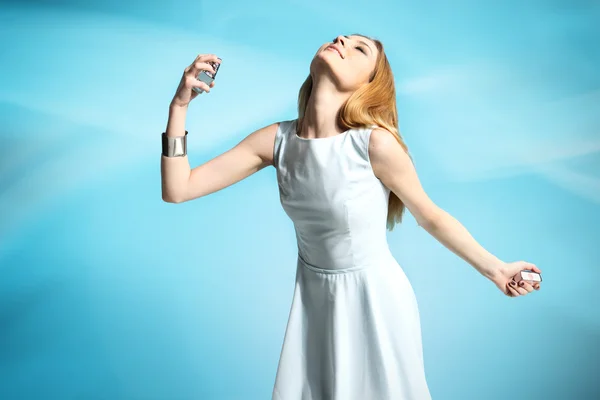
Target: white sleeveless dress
[{"x": 354, "y": 331}]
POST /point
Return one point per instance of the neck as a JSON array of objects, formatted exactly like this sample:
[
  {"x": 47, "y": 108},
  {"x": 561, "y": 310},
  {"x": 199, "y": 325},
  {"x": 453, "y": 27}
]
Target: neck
[{"x": 321, "y": 114}]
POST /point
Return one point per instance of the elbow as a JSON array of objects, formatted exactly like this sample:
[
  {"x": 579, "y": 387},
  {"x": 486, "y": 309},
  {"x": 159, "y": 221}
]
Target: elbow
[
  {"x": 173, "y": 196},
  {"x": 172, "y": 199},
  {"x": 168, "y": 199}
]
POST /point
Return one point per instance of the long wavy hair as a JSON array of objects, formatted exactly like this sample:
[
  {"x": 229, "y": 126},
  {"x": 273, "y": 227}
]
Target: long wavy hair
[{"x": 372, "y": 104}]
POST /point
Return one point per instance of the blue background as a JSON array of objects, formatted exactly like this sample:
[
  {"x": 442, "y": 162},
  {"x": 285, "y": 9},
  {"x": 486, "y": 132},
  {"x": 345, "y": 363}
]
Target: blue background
[{"x": 107, "y": 292}]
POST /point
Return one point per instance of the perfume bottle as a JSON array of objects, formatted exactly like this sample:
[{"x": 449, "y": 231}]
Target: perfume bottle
[
  {"x": 207, "y": 76},
  {"x": 529, "y": 276}
]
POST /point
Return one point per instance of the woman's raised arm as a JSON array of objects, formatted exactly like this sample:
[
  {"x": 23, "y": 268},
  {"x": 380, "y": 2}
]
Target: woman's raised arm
[{"x": 181, "y": 183}]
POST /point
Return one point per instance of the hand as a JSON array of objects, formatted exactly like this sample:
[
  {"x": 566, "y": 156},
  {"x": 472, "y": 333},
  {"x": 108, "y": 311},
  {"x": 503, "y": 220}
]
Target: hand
[
  {"x": 184, "y": 93},
  {"x": 504, "y": 279}
]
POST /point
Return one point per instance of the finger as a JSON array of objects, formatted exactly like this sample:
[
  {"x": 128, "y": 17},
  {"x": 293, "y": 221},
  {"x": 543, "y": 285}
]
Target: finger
[
  {"x": 531, "y": 266},
  {"x": 517, "y": 288},
  {"x": 534, "y": 268},
  {"x": 536, "y": 286},
  {"x": 198, "y": 66},
  {"x": 206, "y": 58},
  {"x": 526, "y": 285},
  {"x": 200, "y": 61},
  {"x": 520, "y": 290},
  {"x": 512, "y": 289},
  {"x": 189, "y": 67},
  {"x": 193, "y": 82}
]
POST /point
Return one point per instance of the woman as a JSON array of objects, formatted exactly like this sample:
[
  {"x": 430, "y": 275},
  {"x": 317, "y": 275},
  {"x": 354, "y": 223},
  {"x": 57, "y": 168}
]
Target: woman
[{"x": 344, "y": 175}]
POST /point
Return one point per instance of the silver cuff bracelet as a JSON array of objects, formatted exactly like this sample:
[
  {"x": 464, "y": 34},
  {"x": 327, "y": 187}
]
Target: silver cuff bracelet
[{"x": 174, "y": 146}]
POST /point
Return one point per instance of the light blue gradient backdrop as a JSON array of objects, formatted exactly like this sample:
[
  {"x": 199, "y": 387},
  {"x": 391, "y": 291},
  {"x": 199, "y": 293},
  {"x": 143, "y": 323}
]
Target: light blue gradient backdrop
[{"x": 107, "y": 292}]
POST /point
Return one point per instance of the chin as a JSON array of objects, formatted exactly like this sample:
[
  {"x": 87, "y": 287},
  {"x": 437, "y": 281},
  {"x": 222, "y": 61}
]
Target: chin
[{"x": 328, "y": 59}]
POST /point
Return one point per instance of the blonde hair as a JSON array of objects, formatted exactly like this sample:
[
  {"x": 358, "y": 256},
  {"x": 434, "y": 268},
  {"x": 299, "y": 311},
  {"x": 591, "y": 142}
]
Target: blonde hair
[{"x": 372, "y": 104}]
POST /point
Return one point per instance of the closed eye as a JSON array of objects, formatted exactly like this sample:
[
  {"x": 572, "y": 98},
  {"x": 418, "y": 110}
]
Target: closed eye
[{"x": 361, "y": 49}]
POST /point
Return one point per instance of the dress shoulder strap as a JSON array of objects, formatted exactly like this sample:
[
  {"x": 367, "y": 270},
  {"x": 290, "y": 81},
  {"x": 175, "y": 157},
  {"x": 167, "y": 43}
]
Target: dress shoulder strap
[
  {"x": 281, "y": 137},
  {"x": 362, "y": 140}
]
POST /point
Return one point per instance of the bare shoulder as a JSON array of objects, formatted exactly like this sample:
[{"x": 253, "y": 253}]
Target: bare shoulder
[
  {"x": 386, "y": 153},
  {"x": 262, "y": 142}
]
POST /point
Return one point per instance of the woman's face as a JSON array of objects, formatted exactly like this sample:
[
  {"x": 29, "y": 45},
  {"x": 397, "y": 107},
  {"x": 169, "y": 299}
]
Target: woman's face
[{"x": 352, "y": 67}]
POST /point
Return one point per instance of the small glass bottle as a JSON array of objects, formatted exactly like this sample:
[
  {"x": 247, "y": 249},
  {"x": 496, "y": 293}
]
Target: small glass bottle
[{"x": 207, "y": 76}]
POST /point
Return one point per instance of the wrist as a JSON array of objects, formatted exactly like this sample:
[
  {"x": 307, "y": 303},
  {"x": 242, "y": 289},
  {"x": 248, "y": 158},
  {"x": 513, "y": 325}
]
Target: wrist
[
  {"x": 173, "y": 106},
  {"x": 495, "y": 271}
]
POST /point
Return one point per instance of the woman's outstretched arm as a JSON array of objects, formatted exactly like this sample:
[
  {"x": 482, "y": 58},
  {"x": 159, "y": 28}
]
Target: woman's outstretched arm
[{"x": 392, "y": 165}]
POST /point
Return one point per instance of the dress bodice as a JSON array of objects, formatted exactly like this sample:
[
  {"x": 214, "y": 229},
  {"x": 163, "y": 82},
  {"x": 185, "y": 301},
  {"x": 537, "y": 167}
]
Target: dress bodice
[{"x": 328, "y": 189}]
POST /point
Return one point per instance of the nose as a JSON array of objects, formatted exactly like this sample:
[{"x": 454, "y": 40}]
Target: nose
[{"x": 341, "y": 39}]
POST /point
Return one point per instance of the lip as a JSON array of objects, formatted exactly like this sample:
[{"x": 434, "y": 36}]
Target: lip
[{"x": 336, "y": 49}]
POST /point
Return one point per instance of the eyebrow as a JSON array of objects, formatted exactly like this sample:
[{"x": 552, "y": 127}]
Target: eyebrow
[{"x": 365, "y": 43}]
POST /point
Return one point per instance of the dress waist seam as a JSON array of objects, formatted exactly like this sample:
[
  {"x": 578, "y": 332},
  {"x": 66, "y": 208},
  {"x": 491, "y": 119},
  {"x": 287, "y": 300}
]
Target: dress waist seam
[{"x": 336, "y": 270}]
